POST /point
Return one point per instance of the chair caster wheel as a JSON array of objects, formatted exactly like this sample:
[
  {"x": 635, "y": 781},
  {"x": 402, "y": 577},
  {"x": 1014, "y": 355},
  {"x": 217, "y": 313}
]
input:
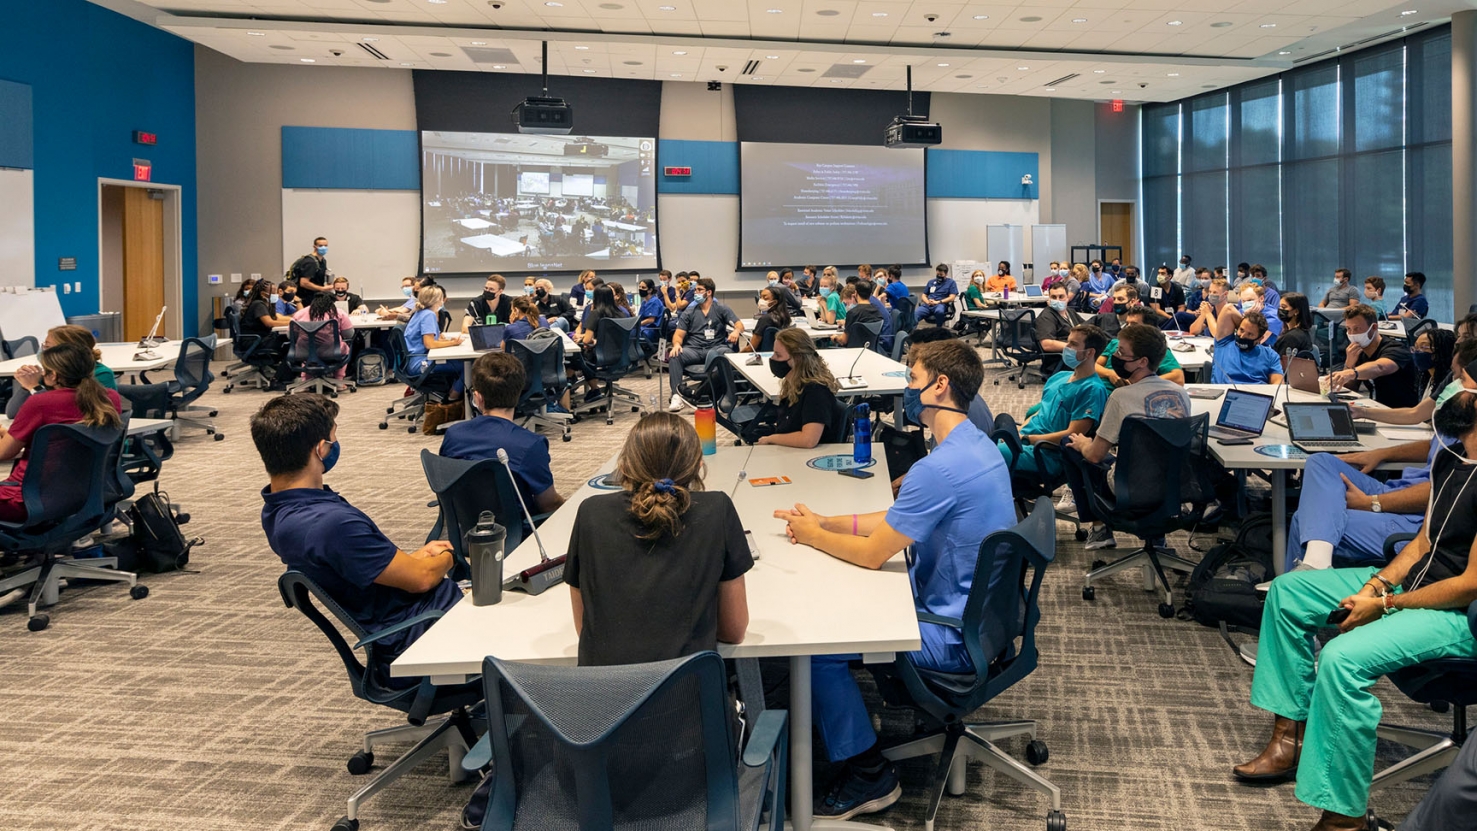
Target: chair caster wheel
[
  {"x": 384, "y": 425},
  {"x": 214, "y": 413},
  {"x": 1036, "y": 753},
  {"x": 1166, "y": 610},
  {"x": 635, "y": 409},
  {"x": 361, "y": 763},
  {"x": 1056, "y": 821},
  {"x": 1089, "y": 593},
  {"x": 1097, "y": 564},
  {"x": 39, "y": 622},
  {"x": 220, "y": 436},
  {"x": 1440, "y": 707},
  {"x": 138, "y": 592},
  {"x": 1081, "y": 535},
  {"x": 353, "y": 389},
  {"x": 346, "y": 824},
  {"x": 389, "y": 411},
  {"x": 568, "y": 438},
  {"x": 226, "y": 391},
  {"x": 410, "y": 429}
]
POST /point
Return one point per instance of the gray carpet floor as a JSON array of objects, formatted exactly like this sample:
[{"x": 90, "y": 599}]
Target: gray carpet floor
[{"x": 209, "y": 704}]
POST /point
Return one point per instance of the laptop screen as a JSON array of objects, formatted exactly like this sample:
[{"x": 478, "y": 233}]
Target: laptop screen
[
  {"x": 1320, "y": 422},
  {"x": 1243, "y": 410},
  {"x": 487, "y": 338},
  {"x": 1033, "y": 291}
]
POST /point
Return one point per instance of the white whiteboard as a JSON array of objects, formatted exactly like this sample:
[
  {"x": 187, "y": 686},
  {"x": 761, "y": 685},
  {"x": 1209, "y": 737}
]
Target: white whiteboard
[
  {"x": 29, "y": 313},
  {"x": 17, "y": 228},
  {"x": 956, "y": 227},
  {"x": 1048, "y": 243},
  {"x": 374, "y": 236},
  {"x": 1008, "y": 243}
]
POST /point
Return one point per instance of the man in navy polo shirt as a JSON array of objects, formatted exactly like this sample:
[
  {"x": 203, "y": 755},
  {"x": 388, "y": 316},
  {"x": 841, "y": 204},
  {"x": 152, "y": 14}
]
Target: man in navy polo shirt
[
  {"x": 497, "y": 382},
  {"x": 938, "y": 297},
  {"x": 317, "y": 532}
]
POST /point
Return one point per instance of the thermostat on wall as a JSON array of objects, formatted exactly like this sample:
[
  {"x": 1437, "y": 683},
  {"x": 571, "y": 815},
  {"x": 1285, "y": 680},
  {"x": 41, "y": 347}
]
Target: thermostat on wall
[{"x": 677, "y": 171}]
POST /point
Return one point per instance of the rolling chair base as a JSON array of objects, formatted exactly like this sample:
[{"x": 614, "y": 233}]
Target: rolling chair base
[
  {"x": 322, "y": 386},
  {"x": 958, "y": 743},
  {"x": 1153, "y": 562},
  {"x": 44, "y": 581},
  {"x": 454, "y": 732},
  {"x": 1435, "y": 750},
  {"x": 253, "y": 377},
  {"x": 614, "y": 393}
]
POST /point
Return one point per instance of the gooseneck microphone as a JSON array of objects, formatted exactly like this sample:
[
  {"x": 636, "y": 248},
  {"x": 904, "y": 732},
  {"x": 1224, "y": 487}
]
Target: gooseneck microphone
[
  {"x": 850, "y": 381},
  {"x": 549, "y": 572}
]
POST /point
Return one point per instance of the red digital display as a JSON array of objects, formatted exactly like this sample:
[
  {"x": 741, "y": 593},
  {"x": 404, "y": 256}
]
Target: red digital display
[
  {"x": 140, "y": 137},
  {"x": 678, "y": 171},
  {"x": 1117, "y": 105}
]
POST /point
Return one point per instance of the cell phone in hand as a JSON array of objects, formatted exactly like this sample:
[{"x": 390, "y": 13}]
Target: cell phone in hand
[
  {"x": 1338, "y": 616},
  {"x": 856, "y": 472}
]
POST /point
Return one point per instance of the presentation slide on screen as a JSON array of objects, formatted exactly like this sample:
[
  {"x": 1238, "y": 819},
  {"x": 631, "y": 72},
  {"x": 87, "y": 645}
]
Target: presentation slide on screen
[
  {"x": 516, "y": 203},
  {"x": 830, "y": 203}
]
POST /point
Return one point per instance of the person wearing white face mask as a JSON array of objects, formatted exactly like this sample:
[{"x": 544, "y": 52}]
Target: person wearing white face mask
[
  {"x": 1383, "y": 363},
  {"x": 774, "y": 313},
  {"x": 1410, "y": 611},
  {"x": 1341, "y": 294},
  {"x": 974, "y": 296},
  {"x": 1052, "y": 328}
]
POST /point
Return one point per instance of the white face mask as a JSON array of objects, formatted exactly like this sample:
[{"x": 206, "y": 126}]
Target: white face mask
[
  {"x": 763, "y": 305},
  {"x": 1362, "y": 340}
]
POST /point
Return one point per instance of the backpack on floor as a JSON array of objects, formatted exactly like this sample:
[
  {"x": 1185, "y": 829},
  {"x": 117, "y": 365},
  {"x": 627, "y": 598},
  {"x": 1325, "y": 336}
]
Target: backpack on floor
[
  {"x": 159, "y": 545},
  {"x": 1222, "y": 588},
  {"x": 371, "y": 368}
]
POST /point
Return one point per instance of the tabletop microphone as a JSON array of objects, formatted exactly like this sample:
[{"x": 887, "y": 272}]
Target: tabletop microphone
[
  {"x": 549, "y": 572},
  {"x": 850, "y": 381}
]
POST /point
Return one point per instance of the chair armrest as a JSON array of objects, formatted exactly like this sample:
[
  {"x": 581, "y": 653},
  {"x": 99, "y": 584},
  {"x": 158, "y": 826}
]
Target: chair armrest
[
  {"x": 434, "y": 503},
  {"x": 951, "y": 622},
  {"x": 479, "y": 756},
  {"x": 400, "y": 627},
  {"x": 538, "y": 519},
  {"x": 1394, "y": 540},
  {"x": 768, "y": 732}
]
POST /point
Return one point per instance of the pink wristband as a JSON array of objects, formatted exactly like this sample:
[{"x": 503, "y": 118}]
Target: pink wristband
[{"x": 853, "y": 525}]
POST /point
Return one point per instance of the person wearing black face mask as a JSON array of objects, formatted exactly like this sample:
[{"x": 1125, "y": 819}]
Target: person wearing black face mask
[
  {"x": 1410, "y": 611},
  {"x": 558, "y": 310},
  {"x": 808, "y": 390},
  {"x": 342, "y": 294},
  {"x": 490, "y": 307},
  {"x": 1414, "y": 305}
]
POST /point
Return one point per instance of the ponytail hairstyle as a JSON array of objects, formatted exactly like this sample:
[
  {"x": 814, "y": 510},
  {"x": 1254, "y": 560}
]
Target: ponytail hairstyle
[
  {"x": 661, "y": 465},
  {"x": 73, "y": 364},
  {"x": 429, "y": 297},
  {"x": 82, "y": 336},
  {"x": 322, "y": 306},
  {"x": 528, "y": 309},
  {"x": 261, "y": 291}
]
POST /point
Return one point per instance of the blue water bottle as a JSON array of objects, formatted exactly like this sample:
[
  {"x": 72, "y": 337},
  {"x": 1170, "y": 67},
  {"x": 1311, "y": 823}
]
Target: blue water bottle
[{"x": 861, "y": 441}]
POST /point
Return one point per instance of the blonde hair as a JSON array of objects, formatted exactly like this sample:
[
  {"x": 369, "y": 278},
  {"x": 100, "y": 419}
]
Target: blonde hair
[
  {"x": 1079, "y": 272},
  {"x": 830, "y": 271},
  {"x": 79, "y": 335},
  {"x": 429, "y": 296},
  {"x": 661, "y": 465},
  {"x": 806, "y": 366}
]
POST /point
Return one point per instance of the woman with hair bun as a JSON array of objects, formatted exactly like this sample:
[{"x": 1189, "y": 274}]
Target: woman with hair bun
[{"x": 656, "y": 571}]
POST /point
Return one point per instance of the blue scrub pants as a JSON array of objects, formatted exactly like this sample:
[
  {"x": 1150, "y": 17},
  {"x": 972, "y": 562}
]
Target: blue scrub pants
[
  {"x": 1323, "y": 514},
  {"x": 934, "y": 314},
  {"x": 454, "y": 368},
  {"x": 836, "y": 702}
]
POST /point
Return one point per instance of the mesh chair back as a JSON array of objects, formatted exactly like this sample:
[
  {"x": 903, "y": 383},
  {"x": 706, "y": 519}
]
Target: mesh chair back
[
  {"x": 117, "y": 485},
  {"x": 900, "y": 343},
  {"x": 400, "y": 359},
  {"x": 543, "y": 368},
  {"x": 1160, "y": 466},
  {"x": 868, "y": 335},
  {"x": 66, "y": 478},
  {"x": 315, "y": 347},
  {"x": 1018, "y": 328},
  {"x": 616, "y": 350},
  {"x": 20, "y": 347},
  {"x": 464, "y": 490},
  {"x": 1421, "y": 326},
  {"x": 906, "y": 307},
  {"x": 766, "y": 340},
  {"x": 192, "y": 369},
  {"x": 641, "y": 746},
  {"x": 443, "y": 319}
]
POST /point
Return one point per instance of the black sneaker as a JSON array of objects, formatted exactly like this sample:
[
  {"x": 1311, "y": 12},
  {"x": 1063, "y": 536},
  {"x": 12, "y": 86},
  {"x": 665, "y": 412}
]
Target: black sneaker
[
  {"x": 854, "y": 793},
  {"x": 1100, "y": 537}
]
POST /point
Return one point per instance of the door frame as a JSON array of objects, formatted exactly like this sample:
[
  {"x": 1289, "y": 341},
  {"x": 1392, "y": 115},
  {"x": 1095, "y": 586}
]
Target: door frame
[
  {"x": 174, "y": 257},
  {"x": 1133, "y": 230}
]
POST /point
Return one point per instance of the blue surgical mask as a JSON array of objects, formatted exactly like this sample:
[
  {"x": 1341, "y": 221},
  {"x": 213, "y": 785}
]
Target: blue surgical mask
[
  {"x": 276, "y": 298},
  {"x": 913, "y": 405},
  {"x": 774, "y": 282},
  {"x": 1256, "y": 281},
  {"x": 407, "y": 290},
  {"x": 825, "y": 291},
  {"x": 331, "y": 459},
  {"x": 529, "y": 289},
  {"x": 699, "y": 297},
  {"x": 1070, "y": 358},
  {"x": 1422, "y": 360},
  {"x": 322, "y": 250},
  {"x": 1059, "y": 305}
]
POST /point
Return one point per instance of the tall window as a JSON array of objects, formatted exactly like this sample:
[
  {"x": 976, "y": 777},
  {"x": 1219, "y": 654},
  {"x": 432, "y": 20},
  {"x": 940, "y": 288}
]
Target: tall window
[{"x": 1345, "y": 163}]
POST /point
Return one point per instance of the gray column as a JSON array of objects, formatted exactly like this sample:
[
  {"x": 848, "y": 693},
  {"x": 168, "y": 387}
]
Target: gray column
[{"x": 1464, "y": 159}]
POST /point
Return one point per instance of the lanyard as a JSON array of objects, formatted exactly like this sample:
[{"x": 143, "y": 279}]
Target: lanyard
[{"x": 1442, "y": 531}]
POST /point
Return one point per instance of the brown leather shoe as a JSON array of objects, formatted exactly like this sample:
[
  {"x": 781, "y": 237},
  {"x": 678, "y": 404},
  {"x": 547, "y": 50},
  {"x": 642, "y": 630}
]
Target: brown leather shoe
[
  {"x": 1279, "y": 759},
  {"x": 1338, "y": 822}
]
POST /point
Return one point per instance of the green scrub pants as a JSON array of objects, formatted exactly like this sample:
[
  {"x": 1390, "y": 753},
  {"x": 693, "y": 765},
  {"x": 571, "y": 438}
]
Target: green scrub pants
[{"x": 1337, "y": 700}]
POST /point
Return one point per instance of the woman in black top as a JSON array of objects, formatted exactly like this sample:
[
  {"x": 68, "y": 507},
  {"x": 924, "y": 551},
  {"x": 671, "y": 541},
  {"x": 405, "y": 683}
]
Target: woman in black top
[
  {"x": 1297, "y": 321},
  {"x": 602, "y": 305},
  {"x": 774, "y": 313},
  {"x": 656, "y": 571},
  {"x": 807, "y": 391}
]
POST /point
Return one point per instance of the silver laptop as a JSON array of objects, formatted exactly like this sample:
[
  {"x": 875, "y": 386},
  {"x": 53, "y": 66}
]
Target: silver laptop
[
  {"x": 1322, "y": 427},
  {"x": 1243, "y": 415},
  {"x": 1033, "y": 290},
  {"x": 820, "y": 322}
]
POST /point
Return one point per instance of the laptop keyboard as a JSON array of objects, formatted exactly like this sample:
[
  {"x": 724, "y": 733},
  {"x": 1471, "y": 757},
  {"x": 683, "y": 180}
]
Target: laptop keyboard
[
  {"x": 1329, "y": 446},
  {"x": 1229, "y": 433}
]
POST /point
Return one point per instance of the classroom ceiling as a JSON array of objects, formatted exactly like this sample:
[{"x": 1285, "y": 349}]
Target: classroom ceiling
[{"x": 1137, "y": 50}]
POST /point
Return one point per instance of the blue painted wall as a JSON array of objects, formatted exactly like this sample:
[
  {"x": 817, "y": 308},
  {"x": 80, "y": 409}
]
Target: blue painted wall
[
  {"x": 95, "y": 77},
  {"x": 715, "y": 166},
  {"x": 17, "y": 147},
  {"x": 350, "y": 159},
  {"x": 981, "y": 174}
]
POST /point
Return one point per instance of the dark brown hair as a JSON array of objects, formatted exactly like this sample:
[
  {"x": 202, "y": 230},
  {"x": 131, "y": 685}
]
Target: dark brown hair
[
  {"x": 1362, "y": 310},
  {"x": 288, "y": 427},
  {"x": 955, "y": 359},
  {"x": 1147, "y": 342},
  {"x": 498, "y": 377},
  {"x": 661, "y": 465},
  {"x": 73, "y": 365}
]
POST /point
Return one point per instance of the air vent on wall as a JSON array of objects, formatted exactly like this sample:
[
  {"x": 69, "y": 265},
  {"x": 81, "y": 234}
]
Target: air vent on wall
[
  {"x": 846, "y": 70},
  {"x": 1061, "y": 80},
  {"x": 1390, "y": 35},
  {"x": 374, "y": 53},
  {"x": 489, "y": 55},
  {"x": 750, "y": 68}
]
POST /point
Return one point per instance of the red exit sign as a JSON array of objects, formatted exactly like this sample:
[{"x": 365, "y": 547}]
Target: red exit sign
[
  {"x": 1117, "y": 105},
  {"x": 140, "y": 137},
  {"x": 143, "y": 170},
  {"x": 678, "y": 171}
]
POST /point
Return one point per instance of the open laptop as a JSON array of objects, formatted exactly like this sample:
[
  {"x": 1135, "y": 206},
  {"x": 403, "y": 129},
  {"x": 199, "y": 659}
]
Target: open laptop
[
  {"x": 1302, "y": 375},
  {"x": 487, "y": 337},
  {"x": 1033, "y": 290},
  {"x": 820, "y": 322},
  {"x": 1322, "y": 427},
  {"x": 1243, "y": 415}
]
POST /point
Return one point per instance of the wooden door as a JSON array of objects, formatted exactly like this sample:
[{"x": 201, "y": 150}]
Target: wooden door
[
  {"x": 1116, "y": 221},
  {"x": 143, "y": 263}
]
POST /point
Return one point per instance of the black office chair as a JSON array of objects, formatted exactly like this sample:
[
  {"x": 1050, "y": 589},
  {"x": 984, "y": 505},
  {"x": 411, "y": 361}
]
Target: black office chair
[
  {"x": 464, "y": 489},
  {"x": 174, "y": 398},
  {"x": 254, "y": 355},
  {"x": 443, "y": 319},
  {"x": 990, "y": 626},
  {"x": 739, "y": 413},
  {"x": 1161, "y": 483},
  {"x": 1017, "y": 343},
  {"x": 423, "y": 387},
  {"x": 543, "y": 370},
  {"x": 766, "y": 340},
  {"x": 1028, "y": 486},
  {"x": 20, "y": 347},
  {"x": 617, "y": 354},
  {"x": 455, "y": 729},
  {"x": 868, "y": 335},
  {"x": 1420, "y": 327},
  {"x": 71, "y": 488},
  {"x": 900, "y": 343},
  {"x": 315, "y": 350},
  {"x": 632, "y": 746},
  {"x": 907, "y": 307}
]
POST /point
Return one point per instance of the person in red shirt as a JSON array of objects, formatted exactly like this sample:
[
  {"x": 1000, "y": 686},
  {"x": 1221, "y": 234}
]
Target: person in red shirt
[{"x": 73, "y": 396}]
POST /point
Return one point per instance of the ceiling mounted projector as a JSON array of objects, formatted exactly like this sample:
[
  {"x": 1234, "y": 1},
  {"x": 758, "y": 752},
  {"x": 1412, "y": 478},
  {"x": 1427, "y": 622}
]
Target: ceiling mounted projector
[
  {"x": 544, "y": 115},
  {"x": 912, "y": 130}
]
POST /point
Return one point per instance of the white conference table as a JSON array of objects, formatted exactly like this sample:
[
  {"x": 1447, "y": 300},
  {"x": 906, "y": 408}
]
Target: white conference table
[
  {"x": 136, "y": 427},
  {"x": 119, "y": 357},
  {"x": 803, "y": 324},
  {"x": 802, "y": 602},
  {"x": 1193, "y": 353},
  {"x": 1016, "y": 298},
  {"x": 359, "y": 322},
  {"x": 474, "y": 223},
  {"x": 883, "y": 375},
  {"x": 1250, "y": 457},
  {"x": 494, "y": 244}
]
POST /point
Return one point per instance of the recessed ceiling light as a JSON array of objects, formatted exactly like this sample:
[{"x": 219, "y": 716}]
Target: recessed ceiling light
[
  {"x": 1175, "y": 23},
  {"x": 835, "y": 80},
  {"x": 407, "y": 63},
  {"x": 499, "y": 66},
  {"x": 307, "y": 60},
  {"x": 1269, "y": 25},
  {"x": 283, "y": 47},
  {"x": 1051, "y": 89},
  {"x": 1284, "y": 52},
  {"x": 1031, "y": 19},
  {"x": 1174, "y": 75},
  {"x": 437, "y": 2},
  {"x": 666, "y": 8},
  {"x": 440, "y": 54},
  {"x": 1079, "y": 20},
  {"x": 1099, "y": 71},
  {"x": 676, "y": 74},
  {"x": 1408, "y": 12},
  {"x": 806, "y": 69},
  {"x": 758, "y": 77},
  {"x": 679, "y": 52},
  {"x": 827, "y": 13},
  {"x": 1221, "y": 24},
  {"x": 612, "y": 6},
  {"x": 773, "y": 11},
  {"x": 1022, "y": 68},
  {"x": 879, "y": 14},
  {"x": 981, "y": 17},
  {"x": 631, "y": 63},
  {"x": 554, "y": 4},
  {"x": 859, "y": 60},
  {"x": 589, "y": 72},
  {"x": 943, "y": 64},
  {"x": 257, "y": 34},
  {"x": 964, "y": 76},
  {"x": 771, "y": 57},
  {"x": 1117, "y": 92},
  {"x": 582, "y": 48}
]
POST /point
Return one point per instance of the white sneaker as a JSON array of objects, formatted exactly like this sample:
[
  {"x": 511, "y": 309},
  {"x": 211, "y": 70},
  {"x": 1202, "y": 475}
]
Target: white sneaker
[
  {"x": 677, "y": 404},
  {"x": 1066, "y": 505},
  {"x": 1301, "y": 566}
]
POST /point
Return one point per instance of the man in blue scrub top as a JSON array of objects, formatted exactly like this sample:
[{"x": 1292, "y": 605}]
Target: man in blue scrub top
[
  {"x": 947, "y": 504},
  {"x": 317, "y": 532},
  {"x": 938, "y": 297},
  {"x": 1239, "y": 356}
]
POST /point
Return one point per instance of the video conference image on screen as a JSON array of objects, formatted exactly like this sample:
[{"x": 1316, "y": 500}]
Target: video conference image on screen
[{"x": 506, "y": 201}]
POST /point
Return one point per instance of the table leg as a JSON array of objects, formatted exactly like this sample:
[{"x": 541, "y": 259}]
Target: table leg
[
  {"x": 1279, "y": 520},
  {"x": 467, "y": 389},
  {"x": 801, "y": 775}
]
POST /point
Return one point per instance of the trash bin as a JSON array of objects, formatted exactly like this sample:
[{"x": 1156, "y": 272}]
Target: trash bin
[{"x": 107, "y": 327}]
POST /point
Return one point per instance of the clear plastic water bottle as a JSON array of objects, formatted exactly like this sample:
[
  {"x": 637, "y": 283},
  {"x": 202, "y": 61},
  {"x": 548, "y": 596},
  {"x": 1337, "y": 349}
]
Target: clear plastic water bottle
[{"x": 861, "y": 441}]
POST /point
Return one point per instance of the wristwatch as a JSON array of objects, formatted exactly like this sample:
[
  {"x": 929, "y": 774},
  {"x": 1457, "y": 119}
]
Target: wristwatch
[{"x": 1374, "y": 503}]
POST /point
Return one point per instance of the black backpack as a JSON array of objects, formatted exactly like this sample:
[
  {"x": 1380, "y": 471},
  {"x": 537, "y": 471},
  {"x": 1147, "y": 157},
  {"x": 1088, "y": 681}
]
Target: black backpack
[
  {"x": 1222, "y": 588},
  {"x": 158, "y": 544}
]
